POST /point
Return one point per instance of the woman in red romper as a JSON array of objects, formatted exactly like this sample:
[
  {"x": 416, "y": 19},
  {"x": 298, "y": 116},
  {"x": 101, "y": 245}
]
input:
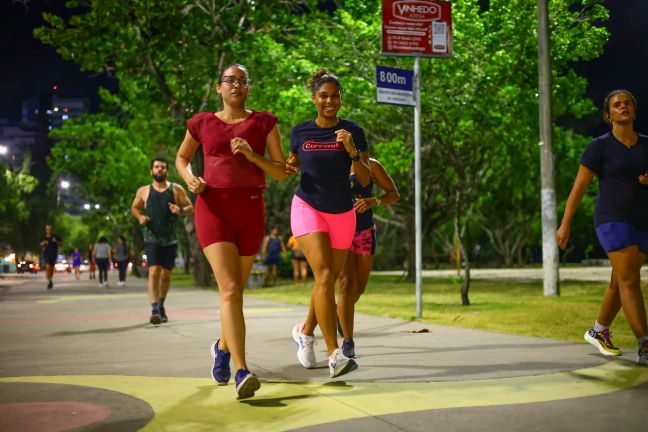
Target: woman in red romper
[{"x": 229, "y": 210}]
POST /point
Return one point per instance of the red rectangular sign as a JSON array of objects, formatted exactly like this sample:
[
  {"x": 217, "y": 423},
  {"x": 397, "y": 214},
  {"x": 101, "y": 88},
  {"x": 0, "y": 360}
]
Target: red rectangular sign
[{"x": 417, "y": 28}]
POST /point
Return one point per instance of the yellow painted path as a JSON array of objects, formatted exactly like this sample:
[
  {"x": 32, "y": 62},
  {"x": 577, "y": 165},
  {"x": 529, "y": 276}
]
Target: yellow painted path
[{"x": 195, "y": 404}]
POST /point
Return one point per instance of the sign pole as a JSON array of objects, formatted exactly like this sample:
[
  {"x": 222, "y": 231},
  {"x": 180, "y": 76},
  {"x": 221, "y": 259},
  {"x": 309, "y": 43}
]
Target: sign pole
[{"x": 417, "y": 187}]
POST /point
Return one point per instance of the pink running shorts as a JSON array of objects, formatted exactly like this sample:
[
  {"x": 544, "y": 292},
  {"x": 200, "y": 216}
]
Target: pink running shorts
[
  {"x": 340, "y": 227},
  {"x": 364, "y": 242}
]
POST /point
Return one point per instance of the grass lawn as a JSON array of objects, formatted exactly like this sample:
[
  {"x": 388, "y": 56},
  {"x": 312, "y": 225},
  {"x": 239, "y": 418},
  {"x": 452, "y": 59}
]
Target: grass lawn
[{"x": 501, "y": 306}]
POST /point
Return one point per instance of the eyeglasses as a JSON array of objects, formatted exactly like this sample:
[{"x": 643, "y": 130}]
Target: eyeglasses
[{"x": 232, "y": 80}]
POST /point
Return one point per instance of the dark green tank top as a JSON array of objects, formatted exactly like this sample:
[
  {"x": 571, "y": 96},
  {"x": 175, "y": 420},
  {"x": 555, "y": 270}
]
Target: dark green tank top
[{"x": 161, "y": 228}]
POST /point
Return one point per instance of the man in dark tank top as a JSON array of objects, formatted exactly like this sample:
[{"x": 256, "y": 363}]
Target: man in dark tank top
[{"x": 157, "y": 207}]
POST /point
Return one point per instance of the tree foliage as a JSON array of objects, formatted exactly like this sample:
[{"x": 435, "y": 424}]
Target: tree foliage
[{"x": 479, "y": 108}]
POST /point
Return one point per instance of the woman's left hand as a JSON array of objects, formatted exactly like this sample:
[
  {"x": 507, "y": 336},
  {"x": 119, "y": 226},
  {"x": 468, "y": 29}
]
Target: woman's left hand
[
  {"x": 363, "y": 204},
  {"x": 643, "y": 179},
  {"x": 240, "y": 145},
  {"x": 345, "y": 138}
]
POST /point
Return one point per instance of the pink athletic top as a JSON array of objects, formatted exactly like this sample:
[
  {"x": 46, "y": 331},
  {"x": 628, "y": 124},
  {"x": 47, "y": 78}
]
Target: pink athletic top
[{"x": 222, "y": 168}]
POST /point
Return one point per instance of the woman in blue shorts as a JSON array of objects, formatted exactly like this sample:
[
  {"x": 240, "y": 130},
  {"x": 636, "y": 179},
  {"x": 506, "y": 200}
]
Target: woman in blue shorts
[
  {"x": 620, "y": 161},
  {"x": 273, "y": 247}
]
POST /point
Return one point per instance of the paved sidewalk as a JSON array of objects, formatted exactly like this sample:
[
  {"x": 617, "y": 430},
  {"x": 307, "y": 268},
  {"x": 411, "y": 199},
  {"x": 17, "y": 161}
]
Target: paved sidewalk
[{"x": 85, "y": 357}]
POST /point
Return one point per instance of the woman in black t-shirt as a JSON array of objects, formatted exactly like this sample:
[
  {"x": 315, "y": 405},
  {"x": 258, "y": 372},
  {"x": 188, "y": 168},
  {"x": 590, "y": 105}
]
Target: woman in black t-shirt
[
  {"x": 620, "y": 161},
  {"x": 322, "y": 217}
]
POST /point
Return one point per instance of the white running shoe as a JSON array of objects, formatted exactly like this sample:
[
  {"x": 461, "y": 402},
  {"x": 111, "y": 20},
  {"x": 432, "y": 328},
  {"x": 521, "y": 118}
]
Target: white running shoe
[
  {"x": 305, "y": 350},
  {"x": 339, "y": 364}
]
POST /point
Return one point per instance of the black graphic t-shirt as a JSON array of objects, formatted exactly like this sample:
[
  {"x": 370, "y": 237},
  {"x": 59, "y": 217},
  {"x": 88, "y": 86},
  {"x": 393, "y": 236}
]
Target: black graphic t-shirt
[
  {"x": 621, "y": 198},
  {"x": 325, "y": 164}
]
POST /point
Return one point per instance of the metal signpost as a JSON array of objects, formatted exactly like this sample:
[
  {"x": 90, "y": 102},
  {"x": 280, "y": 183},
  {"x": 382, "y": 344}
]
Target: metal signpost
[{"x": 414, "y": 28}]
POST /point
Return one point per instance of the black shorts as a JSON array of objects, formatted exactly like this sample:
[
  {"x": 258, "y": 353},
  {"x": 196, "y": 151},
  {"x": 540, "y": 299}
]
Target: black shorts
[
  {"x": 163, "y": 256},
  {"x": 51, "y": 260}
]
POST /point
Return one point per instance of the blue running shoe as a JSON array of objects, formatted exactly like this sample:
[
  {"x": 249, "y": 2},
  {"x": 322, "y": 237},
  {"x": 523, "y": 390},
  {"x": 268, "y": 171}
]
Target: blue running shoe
[
  {"x": 348, "y": 348},
  {"x": 221, "y": 370},
  {"x": 246, "y": 383}
]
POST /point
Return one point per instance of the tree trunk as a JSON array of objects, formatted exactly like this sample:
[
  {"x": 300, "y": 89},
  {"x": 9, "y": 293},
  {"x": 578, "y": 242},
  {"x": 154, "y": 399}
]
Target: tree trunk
[
  {"x": 136, "y": 249},
  {"x": 201, "y": 269},
  {"x": 411, "y": 244},
  {"x": 465, "y": 286}
]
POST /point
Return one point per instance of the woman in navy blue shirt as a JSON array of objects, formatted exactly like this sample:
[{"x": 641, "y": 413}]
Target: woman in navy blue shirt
[
  {"x": 322, "y": 216},
  {"x": 620, "y": 161}
]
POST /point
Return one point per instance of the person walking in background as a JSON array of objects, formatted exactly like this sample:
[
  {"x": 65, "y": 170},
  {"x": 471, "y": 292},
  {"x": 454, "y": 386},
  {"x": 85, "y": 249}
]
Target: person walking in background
[
  {"x": 355, "y": 273},
  {"x": 273, "y": 247},
  {"x": 299, "y": 263},
  {"x": 156, "y": 207},
  {"x": 92, "y": 265},
  {"x": 121, "y": 254},
  {"x": 620, "y": 161},
  {"x": 102, "y": 255},
  {"x": 230, "y": 211},
  {"x": 322, "y": 216},
  {"x": 76, "y": 263},
  {"x": 50, "y": 247}
]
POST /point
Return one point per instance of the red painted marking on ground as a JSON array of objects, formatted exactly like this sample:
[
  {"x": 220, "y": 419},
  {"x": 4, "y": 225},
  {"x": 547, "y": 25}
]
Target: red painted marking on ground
[
  {"x": 50, "y": 416},
  {"x": 124, "y": 316}
]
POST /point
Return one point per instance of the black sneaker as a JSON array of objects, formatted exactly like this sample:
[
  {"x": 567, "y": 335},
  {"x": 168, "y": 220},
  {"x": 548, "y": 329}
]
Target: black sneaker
[
  {"x": 348, "y": 348},
  {"x": 50, "y": 284},
  {"x": 163, "y": 315},
  {"x": 156, "y": 318}
]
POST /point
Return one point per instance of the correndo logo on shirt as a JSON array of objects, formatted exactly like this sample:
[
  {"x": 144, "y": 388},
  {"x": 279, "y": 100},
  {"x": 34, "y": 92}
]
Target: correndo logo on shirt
[
  {"x": 416, "y": 10},
  {"x": 322, "y": 146}
]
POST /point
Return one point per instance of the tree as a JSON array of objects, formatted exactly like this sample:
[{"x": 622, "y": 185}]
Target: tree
[{"x": 15, "y": 187}]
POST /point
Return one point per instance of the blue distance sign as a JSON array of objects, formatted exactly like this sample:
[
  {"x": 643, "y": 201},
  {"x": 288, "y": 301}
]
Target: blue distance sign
[{"x": 395, "y": 86}]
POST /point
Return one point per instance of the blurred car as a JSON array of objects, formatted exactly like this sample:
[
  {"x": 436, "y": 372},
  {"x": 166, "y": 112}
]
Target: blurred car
[
  {"x": 27, "y": 267},
  {"x": 63, "y": 266}
]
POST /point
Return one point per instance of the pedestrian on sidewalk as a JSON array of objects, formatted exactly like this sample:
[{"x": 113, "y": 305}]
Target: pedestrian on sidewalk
[
  {"x": 299, "y": 263},
  {"x": 92, "y": 265},
  {"x": 122, "y": 258},
  {"x": 620, "y": 161},
  {"x": 273, "y": 247},
  {"x": 156, "y": 207},
  {"x": 355, "y": 273},
  {"x": 50, "y": 247},
  {"x": 76, "y": 263},
  {"x": 230, "y": 212},
  {"x": 322, "y": 216},
  {"x": 102, "y": 255}
]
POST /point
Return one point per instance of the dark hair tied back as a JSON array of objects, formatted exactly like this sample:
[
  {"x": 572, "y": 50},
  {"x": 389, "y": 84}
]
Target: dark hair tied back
[
  {"x": 320, "y": 77},
  {"x": 606, "y": 102},
  {"x": 238, "y": 65}
]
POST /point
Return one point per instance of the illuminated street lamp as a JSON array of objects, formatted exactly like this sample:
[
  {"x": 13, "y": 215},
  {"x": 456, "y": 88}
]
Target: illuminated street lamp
[
  {"x": 63, "y": 184},
  {"x": 4, "y": 150},
  {"x": 86, "y": 206},
  {"x": 97, "y": 206}
]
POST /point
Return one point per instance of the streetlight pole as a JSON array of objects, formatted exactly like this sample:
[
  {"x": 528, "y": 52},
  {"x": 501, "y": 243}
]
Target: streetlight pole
[{"x": 548, "y": 190}]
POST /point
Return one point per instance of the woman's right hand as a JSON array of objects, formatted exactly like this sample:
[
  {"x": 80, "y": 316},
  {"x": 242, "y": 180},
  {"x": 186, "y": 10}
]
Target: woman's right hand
[
  {"x": 196, "y": 185},
  {"x": 562, "y": 236}
]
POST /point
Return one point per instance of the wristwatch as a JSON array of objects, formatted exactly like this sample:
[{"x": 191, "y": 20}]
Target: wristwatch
[
  {"x": 356, "y": 158},
  {"x": 377, "y": 201}
]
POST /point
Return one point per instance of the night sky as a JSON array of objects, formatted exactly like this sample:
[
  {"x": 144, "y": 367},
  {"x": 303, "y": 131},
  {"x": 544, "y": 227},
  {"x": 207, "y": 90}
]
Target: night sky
[{"x": 26, "y": 65}]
